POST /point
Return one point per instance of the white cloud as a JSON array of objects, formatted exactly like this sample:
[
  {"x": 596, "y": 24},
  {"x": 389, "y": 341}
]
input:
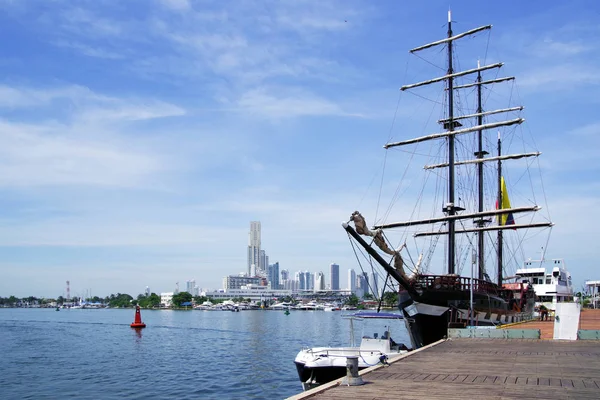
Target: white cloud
[
  {"x": 288, "y": 104},
  {"x": 177, "y": 5},
  {"x": 85, "y": 104},
  {"x": 559, "y": 77},
  {"x": 45, "y": 156},
  {"x": 89, "y": 232},
  {"x": 80, "y": 21},
  {"x": 83, "y": 144},
  {"x": 553, "y": 48},
  {"x": 90, "y": 50}
]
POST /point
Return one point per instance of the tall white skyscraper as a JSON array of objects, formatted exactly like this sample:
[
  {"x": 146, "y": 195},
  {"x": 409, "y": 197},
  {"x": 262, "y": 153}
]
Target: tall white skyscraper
[
  {"x": 253, "y": 246},
  {"x": 351, "y": 280},
  {"x": 189, "y": 286},
  {"x": 334, "y": 274},
  {"x": 319, "y": 281}
]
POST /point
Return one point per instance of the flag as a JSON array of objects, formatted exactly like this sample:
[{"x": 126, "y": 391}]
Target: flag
[{"x": 504, "y": 219}]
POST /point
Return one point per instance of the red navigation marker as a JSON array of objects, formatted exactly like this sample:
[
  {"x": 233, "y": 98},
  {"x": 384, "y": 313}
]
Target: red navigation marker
[{"x": 137, "y": 323}]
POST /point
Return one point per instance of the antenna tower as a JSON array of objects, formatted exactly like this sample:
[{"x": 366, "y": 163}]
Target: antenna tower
[{"x": 68, "y": 291}]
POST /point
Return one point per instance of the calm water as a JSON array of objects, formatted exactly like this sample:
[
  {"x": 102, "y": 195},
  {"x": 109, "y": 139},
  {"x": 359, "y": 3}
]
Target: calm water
[{"x": 93, "y": 354}]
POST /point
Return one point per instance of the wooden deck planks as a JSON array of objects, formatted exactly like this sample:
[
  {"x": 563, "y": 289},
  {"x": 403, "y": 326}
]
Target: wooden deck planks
[{"x": 486, "y": 368}]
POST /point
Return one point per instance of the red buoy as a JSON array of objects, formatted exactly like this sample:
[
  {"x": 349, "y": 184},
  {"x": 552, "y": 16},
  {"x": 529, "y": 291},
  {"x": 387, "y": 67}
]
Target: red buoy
[{"x": 137, "y": 323}]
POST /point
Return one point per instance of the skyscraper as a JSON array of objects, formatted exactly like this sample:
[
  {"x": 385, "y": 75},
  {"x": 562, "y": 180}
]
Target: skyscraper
[
  {"x": 364, "y": 283},
  {"x": 319, "y": 281},
  {"x": 254, "y": 246},
  {"x": 309, "y": 278},
  {"x": 301, "y": 280},
  {"x": 285, "y": 274},
  {"x": 263, "y": 261},
  {"x": 334, "y": 274},
  {"x": 374, "y": 283},
  {"x": 189, "y": 286},
  {"x": 273, "y": 275},
  {"x": 351, "y": 280}
]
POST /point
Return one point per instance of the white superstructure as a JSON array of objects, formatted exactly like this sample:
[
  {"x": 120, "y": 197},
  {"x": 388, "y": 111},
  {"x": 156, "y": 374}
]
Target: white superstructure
[{"x": 550, "y": 280}]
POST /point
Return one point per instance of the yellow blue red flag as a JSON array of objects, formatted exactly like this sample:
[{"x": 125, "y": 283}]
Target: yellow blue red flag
[{"x": 504, "y": 219}]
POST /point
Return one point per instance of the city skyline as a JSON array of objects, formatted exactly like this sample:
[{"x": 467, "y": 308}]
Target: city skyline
[{"x": 140, "y": 137}]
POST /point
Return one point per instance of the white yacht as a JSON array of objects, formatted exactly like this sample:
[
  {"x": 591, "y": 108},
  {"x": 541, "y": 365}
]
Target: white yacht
[
  {"x": 281, "y": 306},
  {"x": 319, "y": 365},
  {"x": 550, "y": 280}
]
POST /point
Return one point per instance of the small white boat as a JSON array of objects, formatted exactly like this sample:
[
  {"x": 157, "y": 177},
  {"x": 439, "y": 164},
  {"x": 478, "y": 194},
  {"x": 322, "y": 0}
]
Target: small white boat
[
  {"x": 281, "y": 306},
  {"x": 319, "y": 365}
]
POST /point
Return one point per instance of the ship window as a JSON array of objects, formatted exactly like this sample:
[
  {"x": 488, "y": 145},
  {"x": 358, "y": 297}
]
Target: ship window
[{"x": 548, "y": 281}]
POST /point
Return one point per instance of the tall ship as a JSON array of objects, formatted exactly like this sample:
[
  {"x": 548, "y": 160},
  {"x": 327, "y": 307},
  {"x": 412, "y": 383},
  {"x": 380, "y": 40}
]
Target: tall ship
[{"x": 459, "y": 178}]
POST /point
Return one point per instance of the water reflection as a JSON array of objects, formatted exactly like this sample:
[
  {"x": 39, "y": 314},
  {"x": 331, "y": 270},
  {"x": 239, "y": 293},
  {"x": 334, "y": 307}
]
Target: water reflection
[{"x": 138, "y": 332}]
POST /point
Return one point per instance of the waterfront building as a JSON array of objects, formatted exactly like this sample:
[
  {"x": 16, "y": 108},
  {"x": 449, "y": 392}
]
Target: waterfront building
[
  {"x": 351, "y": 280},
  {"x": 334, "y": 276},
  {"x": 309, "y": 278},
  {"x": 319, "y": 282},
  {"x": 252, "y": 292},
  {"x": 189, "y": 286},
  {"x": 300, "y": 280},
  {"x": 166, "y": 299},
  {"x": 285, "y": 275},
  {"x": 147, "y": 291},
  {"x": 374, "y": 284},
  {"x": 273, "y": 275},
  {"x": 237, "y": 281},
  {"x": 364, "y": 283},
  {"x": 290, "y": 284},
  {"x": 253, "y": 246},
  {"x": 263, "y": 262}
]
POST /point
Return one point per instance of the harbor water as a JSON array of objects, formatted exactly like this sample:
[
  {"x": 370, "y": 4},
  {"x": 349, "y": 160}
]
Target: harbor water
[{"x": 94, "y": 354}]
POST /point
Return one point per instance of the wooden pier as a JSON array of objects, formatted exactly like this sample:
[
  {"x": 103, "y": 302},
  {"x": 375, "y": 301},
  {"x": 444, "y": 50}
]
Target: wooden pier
[{"x": 485, "y": 369}]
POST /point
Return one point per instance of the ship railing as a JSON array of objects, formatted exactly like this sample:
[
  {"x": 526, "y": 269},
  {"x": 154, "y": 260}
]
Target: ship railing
[
  {"x": 454, "y": 282},
  {"x": 341, "y": 352}
]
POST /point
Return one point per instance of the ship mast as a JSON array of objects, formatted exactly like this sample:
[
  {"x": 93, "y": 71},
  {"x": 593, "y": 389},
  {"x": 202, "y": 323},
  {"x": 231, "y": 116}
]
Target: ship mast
[
  {"x": 500, "y": 231},
  {"x": 479, "y": 155},
  {"x": 450, "y": 209},
  {"x": 451, "y": 128}
]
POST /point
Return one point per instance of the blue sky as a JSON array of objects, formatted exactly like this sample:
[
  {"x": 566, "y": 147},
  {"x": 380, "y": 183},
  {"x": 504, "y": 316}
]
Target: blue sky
[{"x": 138, "y": 139}]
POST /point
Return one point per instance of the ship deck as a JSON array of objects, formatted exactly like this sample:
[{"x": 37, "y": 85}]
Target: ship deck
[{"x": 485, "y": 368}]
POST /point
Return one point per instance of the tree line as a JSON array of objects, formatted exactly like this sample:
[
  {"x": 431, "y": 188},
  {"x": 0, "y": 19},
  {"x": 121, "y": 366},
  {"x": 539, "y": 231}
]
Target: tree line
[{"x": 124, "y": 300}]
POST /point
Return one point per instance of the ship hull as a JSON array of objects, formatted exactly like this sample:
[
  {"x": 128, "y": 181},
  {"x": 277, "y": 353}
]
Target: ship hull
[
  {"x": 428, "y": 319},
  {"x": 313, "y": 377}
]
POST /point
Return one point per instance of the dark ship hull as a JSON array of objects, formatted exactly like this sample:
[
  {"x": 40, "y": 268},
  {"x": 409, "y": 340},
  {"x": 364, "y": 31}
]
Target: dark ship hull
[{"x": 444, "y": 302}]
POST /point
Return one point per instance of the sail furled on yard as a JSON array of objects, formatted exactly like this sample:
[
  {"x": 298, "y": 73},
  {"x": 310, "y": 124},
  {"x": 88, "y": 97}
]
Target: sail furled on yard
[
  {"x": 506, "y": 218},
  {"x": 377, "y": 234}
]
